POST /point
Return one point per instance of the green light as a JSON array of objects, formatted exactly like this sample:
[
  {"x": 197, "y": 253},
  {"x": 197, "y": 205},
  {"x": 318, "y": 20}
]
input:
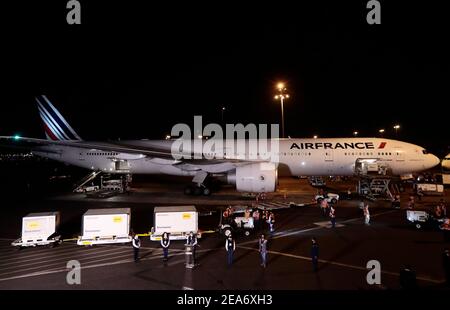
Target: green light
[{"x": 16, "y": 137}]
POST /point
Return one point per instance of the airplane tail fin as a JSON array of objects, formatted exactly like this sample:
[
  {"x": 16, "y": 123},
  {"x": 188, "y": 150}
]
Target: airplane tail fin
[{"x": 55, "y": 125}]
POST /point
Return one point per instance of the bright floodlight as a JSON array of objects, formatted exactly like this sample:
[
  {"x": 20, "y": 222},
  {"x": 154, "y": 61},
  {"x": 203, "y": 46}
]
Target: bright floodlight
[
  {"x": 396, "y": 126},
  {"x": 16, "y": 137},
  {"x": 280, "y": 85},
  {"x": 315, "y": 137},
  {"x": 381, "y": 130},
  {"x": 355, "y": 133}
]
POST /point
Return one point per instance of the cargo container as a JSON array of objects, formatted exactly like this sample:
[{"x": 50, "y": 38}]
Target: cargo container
[
  {"x": 102, "y": 226},
  {"x": 39, "y": 229},
  {"x": 179, "y": 221}
]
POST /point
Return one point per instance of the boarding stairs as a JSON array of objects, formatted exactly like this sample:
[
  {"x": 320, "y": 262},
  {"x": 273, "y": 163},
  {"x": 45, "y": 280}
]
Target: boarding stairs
[{"x": 88, "y": 178}]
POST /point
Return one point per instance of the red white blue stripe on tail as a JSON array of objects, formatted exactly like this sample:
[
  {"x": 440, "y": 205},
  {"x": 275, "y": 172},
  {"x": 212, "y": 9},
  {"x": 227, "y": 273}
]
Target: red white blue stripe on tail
[{"x": 55, "y": 125}]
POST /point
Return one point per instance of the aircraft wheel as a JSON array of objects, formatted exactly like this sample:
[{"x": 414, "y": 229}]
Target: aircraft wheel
[
  {"x": 206, "y": 191},
  {"x": 188, "y": 190}
]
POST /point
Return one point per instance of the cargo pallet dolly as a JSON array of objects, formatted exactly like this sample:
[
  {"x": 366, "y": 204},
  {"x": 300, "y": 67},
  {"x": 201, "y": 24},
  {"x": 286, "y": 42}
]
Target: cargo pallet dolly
[
  {"x": 53, "y": 240},
  {"x": 39, "y": 229},
  {"x": 103, "y": 240}
]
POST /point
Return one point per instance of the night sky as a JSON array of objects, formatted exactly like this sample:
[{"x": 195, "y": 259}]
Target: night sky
[{"x": 133, "y": 70}]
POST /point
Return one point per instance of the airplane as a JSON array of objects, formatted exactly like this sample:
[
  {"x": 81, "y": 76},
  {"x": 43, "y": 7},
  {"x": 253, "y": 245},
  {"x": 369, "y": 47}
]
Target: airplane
[
  {"x": 446, "y": 163},
  {"x": 296, "y": 157}
]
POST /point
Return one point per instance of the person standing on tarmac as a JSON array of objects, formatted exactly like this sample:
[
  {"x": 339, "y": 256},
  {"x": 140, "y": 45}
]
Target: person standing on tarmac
[
  {"x": 333, "y": 217},
  {"x": 230, "y": 247},
  {"x": 263, "y": 250},
  {"x": 136, "y": 245},
  {"x": 443, "y": 207},
  {"x": 314, "y": 254},
  {"x": 165, "y": 243},
  {"x": 324, "y": 206},
  {"x": 256, "y": 221},
  {"x": 192, "y": 240},
  {"x": 366, "y": 215},
  {"x": 271, "y": 222}
]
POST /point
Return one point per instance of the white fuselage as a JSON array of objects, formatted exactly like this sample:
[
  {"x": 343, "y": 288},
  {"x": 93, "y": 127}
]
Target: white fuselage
[{"x": 296, "y": 157}]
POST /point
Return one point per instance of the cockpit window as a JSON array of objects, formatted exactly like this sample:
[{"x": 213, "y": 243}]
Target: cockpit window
[{"x": 425, "y": 152}]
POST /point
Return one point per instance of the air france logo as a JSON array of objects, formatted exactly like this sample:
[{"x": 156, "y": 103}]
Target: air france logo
[{"x": 337, "y": 145}]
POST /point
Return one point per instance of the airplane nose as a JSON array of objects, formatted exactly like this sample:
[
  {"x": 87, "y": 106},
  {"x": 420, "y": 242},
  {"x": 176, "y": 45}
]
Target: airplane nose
[{"x": 434, "y": 160}]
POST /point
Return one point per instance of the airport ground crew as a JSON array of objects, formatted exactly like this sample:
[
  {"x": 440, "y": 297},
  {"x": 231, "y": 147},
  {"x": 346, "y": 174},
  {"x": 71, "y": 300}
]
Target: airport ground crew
[
  {"x": 333, "y": 217},
  {"x": 324, "y": 205},
  {"x": 314, "y": 254},
  {"x": 271, "y": 222},
  {"x": 438, "y": 212},
  {"x": 443, "y": 207},
  {"x": 263, "y": 251},
  {"x": 265, "y": 216},
  {"x": 247, "y": 213},
  {"x": 366, "y": 215},
  {"x": 256, "y": 219},
  {"x": 136, "y": 245},
  {"x": 165, "y": 243},
  {"x": 230, "y": 247},
  {"x": 192, "y": 240},
  {"x": 446, "y": 265}
]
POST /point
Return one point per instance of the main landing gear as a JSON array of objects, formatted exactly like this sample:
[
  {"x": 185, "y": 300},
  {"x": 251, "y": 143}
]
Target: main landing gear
[
  {"x": 196, "y": 190},
  {"x": 198, "y": 187}
]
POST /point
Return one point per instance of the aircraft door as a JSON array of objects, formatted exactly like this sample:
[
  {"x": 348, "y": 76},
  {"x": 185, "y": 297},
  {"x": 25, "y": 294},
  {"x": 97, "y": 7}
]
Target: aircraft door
[
  {"x": 328, "y": 155},
  {"x": 122, "y": 165},
  {"x": 399, "y": 155},
  {"x": 329, "y": 161}
]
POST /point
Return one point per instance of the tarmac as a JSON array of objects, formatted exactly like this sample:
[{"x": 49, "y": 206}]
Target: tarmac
[{"x": 344, "y": 250}]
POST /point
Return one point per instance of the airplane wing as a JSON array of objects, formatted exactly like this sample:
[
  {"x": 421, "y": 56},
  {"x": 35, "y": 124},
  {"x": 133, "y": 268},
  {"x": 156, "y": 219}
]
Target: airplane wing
[
  {"x": 119, "y": 147},
  {"x": 105, "y": 146}
]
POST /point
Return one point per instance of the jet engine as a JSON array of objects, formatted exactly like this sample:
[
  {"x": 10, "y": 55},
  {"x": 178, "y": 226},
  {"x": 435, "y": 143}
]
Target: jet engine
[{"x": 255, "y": 178}]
